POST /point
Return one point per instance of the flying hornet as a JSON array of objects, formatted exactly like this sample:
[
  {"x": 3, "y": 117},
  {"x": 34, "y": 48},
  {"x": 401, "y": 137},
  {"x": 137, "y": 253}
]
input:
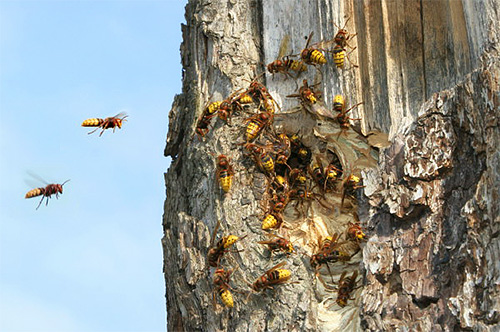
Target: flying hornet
[
  {"x": 46, "y": 192},
  {"x": 108, "y": 123}
]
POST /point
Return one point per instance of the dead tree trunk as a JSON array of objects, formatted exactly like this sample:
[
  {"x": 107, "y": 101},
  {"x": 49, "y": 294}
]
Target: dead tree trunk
[{"x": 428, "y": 76}]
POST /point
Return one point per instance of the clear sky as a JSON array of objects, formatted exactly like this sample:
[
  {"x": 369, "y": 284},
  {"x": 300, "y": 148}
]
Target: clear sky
[{"x": 92, "y": 260}]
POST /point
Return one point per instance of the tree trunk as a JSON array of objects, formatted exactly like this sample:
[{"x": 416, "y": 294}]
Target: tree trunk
[{"x": 428, "y": 76}]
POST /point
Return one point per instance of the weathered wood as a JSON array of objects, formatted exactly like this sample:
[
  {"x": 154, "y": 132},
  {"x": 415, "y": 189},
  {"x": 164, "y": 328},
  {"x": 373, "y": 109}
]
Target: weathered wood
[
  {"x": 426, "y": 216},
  {"x": 428, "y": 75}
]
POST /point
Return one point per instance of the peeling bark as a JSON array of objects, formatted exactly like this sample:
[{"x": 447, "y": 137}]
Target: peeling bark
[
  {"x": 428, "y": 75},
  {"x": 435, "y": 212}
]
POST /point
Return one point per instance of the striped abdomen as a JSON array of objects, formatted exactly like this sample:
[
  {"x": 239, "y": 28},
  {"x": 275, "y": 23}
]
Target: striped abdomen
[
  {"x": 274, "y": 277},
  {"x": 338, "y": 103},
  {"x": 296, "y": 65},
  {"x": 338, "y": 56},
  {"x": 226, "y": 297},
  {"x": 94, "y": 122},
  {"x": 229, "y": 240},
  {"x": 267, "y": 162},
  {"x": 269, "y": 104},
  {"x": 213, "y": 107},
  {"x": 331, "y": 175},
  {"x": 279, "y": 276},
  {"x": 35, "y": 192},
  {"x": 270, "y": 221},
  {"x": 327, "y": 242},
  {"x": 332, "y": 257},
  {"x": 338, "y": 255},
  {"x": 245, "y": 99},
  {"x": 225, "y": 180},
  {"x": 313, "y": 56},
  {"x": 253, "y": 129}
]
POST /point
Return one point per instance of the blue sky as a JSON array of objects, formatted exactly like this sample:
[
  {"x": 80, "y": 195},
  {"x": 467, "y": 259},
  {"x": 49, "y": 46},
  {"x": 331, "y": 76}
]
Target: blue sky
[{"x": 92, "y": 260}]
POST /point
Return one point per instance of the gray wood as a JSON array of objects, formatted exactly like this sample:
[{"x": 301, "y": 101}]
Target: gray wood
[{"x": 428, "y": 76}]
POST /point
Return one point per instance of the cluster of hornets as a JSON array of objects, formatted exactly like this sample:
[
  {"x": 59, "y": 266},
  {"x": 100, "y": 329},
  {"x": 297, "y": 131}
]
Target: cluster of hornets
[
  {"x": 294, "y": 175},
  {"x": 55, "y": 189}
]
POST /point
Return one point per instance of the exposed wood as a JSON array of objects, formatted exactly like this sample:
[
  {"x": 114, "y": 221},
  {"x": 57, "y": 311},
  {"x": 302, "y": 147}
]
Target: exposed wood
[{"x": 428, "y": 76}]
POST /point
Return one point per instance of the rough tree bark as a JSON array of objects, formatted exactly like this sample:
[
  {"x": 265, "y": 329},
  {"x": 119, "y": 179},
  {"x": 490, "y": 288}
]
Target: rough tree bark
[{"x": 428, "y": 76}]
